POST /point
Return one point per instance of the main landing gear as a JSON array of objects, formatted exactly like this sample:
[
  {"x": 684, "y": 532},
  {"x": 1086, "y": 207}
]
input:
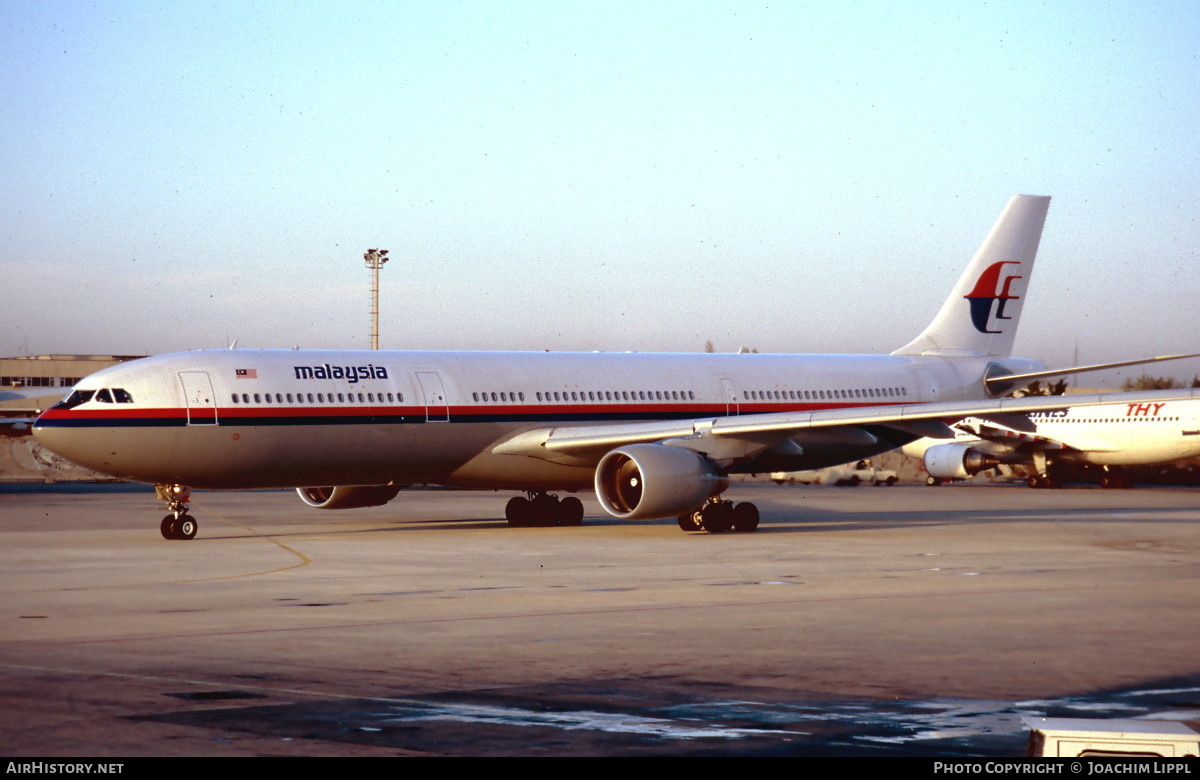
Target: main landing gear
[
  {"x": 1041, "y": 477},
  {"x": 178, "y": 525},
  {"x": 1115, "y": 478},
  {"x": 718, "y": 516},
  {"x": 543, "y": 509}
]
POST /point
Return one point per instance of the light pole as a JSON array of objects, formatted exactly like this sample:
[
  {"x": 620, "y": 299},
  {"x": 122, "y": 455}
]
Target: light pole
[{"x": 375, "y": 259}]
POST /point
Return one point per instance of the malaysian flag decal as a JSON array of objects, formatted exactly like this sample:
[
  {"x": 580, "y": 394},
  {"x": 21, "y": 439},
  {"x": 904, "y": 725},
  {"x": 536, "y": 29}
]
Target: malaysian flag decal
[{"x": 247, "y": 373}]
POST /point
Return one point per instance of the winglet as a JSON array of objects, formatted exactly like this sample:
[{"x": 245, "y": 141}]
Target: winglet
[{"x": 980, "y": 317}]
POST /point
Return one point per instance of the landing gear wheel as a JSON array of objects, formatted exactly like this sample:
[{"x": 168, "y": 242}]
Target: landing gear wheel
[
  {"x": 933, "y": 481},
  {"x": 689, "y": 521},
  {"x": 186, "y": 527},
  {"x": 168, "y": 529},
  {"x": 571, "y": 511},
  {"x": 717, "y": 518},
  {"x": 518, "y": 512},
  {"x": 745, "y": 517}
]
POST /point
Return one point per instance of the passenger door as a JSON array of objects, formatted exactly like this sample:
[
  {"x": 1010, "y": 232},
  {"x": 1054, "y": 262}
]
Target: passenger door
[{"x": 199, "y": 397}]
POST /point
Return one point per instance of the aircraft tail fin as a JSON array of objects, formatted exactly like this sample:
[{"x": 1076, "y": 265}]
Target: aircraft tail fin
[{"x": 980, "y": 317}]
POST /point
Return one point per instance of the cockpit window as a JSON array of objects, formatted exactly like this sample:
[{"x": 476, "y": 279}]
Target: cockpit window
[
  {"x": 117, "y": 395},
  {"x": 76, "y": 398}
]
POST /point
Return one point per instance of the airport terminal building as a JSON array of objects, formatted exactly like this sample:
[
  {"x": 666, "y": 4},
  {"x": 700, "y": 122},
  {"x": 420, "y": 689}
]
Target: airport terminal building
[{"x": 53, "y": 370}]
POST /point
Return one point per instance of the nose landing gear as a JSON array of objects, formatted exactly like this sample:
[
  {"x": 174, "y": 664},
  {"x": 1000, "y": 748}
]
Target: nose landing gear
[{"x": 178, "y": 525}]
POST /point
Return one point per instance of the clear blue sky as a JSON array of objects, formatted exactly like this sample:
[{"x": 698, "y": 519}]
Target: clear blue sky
[{"x": 602, "y": 175}]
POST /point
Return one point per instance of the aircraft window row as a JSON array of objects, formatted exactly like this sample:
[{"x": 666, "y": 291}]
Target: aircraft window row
[
  {"x": 1111, "y": 419},
  {"x": 617, "y": 395},
  {"x": 501, "y": 397},
  {"x": 318, "y": 398},
  {"x": 823, "y": 395}
]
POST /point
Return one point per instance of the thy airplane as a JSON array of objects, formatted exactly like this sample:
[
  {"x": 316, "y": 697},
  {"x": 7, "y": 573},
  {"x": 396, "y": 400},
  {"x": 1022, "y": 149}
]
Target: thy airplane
[
  {"x": 655, "y": 435},
  {"x": 1112, "y": 436}
]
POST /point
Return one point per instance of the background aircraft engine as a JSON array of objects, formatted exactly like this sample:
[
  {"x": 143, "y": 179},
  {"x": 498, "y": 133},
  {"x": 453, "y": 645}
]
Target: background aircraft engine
[
  {"x": 649, "y": 481},
  {"x": 957, "y": 461},
  {"x": 348, "y": 497}
]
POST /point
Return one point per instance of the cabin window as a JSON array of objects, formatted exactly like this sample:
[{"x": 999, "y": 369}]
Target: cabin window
[
  {"x": 257, "y": 398},
  {"x": 289, "y": 397},
  {"x": 234, "y": 397}
]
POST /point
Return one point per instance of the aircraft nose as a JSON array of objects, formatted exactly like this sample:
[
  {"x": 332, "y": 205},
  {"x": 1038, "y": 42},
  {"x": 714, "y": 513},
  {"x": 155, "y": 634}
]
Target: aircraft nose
[
  {"x": 56, "y": 438},
  {"x": 44, "y": 434}
]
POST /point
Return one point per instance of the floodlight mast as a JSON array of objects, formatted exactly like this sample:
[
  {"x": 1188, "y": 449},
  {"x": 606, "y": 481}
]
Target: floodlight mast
[{"x": 375, "y": 259}]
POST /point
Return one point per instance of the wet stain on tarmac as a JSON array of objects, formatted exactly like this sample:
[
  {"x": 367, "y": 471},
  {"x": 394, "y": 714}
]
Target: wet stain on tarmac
[
  {"x": 657, "y": 717},
  {"x": 216, "y": 695}
]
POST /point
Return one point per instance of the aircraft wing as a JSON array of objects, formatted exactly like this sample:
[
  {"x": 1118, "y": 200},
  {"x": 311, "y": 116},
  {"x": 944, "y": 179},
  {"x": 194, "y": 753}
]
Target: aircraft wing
[
  {"x": 1001, "y": 440},
  {"x": 17, "y": 426},
  {"x": 757, "y": 432}
]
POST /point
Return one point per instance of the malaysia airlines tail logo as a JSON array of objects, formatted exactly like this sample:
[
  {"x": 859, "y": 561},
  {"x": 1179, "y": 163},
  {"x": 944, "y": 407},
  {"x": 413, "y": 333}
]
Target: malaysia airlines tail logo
[{"x": 992, "y": 290}]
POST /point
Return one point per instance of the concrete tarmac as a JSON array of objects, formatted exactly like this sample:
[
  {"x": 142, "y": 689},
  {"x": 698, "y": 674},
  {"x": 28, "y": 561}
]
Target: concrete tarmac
[{"x": 864, "y": 621}]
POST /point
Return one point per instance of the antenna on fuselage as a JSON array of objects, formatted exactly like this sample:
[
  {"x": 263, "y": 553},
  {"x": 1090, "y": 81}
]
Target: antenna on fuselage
[{"x": 233, "y": 344}]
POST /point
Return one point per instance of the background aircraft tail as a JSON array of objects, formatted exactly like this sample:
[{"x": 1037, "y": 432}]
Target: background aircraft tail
[{"x": 980, "y": 317}]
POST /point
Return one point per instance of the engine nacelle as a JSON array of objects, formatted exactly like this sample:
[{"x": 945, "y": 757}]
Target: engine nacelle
[
  {"x": 350, "y": 497},
  {"x": 957, "y": 461},
  {"x": 649, "y": 481}
]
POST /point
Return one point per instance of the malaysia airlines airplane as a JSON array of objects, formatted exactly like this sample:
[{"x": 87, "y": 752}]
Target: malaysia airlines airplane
[
  {"x": 655, "y": 435},
  {"x": 1113, "y": 435}
]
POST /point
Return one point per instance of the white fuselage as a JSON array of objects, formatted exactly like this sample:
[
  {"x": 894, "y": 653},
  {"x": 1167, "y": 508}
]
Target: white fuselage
[
  {"x": 241, "y": 418},
  {"x": 1124, "y": 434}
]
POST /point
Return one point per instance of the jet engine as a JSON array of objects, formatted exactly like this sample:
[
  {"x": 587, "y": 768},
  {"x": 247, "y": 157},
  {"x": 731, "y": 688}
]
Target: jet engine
[
  {"x": 350, "y": 497},
  {"x": 649, "y": 481},
  {"x": 957, "y": 461}
]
